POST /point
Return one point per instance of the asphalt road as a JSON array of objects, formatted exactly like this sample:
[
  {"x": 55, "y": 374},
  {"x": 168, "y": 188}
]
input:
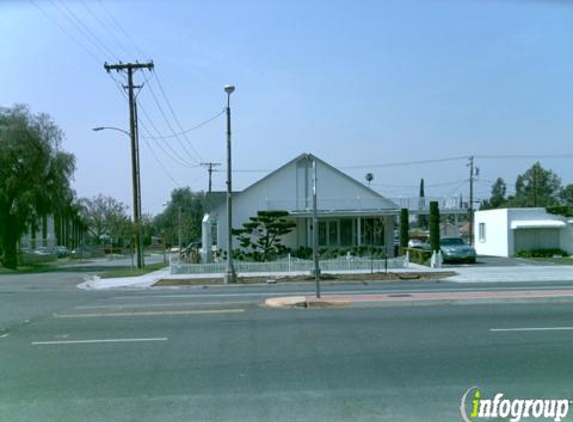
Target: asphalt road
[{"x": 215, "y": 355}]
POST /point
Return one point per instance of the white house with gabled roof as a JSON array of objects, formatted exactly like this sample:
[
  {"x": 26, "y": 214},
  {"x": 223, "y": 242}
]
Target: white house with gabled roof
[{"x": 349, "y": 213}]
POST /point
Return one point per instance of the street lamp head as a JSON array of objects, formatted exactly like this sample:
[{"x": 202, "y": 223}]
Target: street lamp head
[
  {"x": 97, "y": 129},
  {"x": 229, "y": 89}
]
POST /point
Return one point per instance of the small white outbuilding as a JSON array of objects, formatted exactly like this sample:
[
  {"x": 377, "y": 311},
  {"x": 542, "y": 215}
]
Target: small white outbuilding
[{"x": 504, "y": 232}]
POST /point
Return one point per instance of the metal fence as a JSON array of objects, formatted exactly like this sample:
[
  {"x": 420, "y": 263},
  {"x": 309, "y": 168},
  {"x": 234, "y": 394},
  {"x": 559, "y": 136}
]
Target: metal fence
[{"x": 291, "y": 265}]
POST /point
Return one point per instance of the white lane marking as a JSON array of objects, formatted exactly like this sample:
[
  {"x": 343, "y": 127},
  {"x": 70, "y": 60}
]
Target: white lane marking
[
  {"x": 158, "y": 305},
  {"x": 500, "y": 330},
  {"x": 361, "y": 292},
  {"x": 150, "y": 313},
  {"x": 114, "y": 340}
]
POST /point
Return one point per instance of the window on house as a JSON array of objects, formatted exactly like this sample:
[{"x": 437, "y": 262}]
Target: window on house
[
  {"x": 481, "y": 231},
  {"x": 346, "y": 232},
  {"x": 322, "y": 233}
]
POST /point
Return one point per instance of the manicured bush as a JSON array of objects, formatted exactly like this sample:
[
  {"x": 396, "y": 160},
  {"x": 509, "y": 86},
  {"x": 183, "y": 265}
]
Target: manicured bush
[
  {"x": 434, "y": 226},
  {"x": 418, "y": 256},
  {"x": 541, "y": 253},
  {"x": 404, "y": 227}
]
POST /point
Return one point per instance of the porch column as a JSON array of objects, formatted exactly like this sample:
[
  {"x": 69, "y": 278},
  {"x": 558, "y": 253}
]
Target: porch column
[
  {"x": 389, "y": 235},
  {"x": 206, "y": 239},
  {"x": 359, "y": 231}
]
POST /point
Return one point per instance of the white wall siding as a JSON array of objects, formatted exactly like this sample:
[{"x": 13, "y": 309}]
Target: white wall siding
[
  {"x": 497, "y": 234},
  {"x": 290, "y": 188}
]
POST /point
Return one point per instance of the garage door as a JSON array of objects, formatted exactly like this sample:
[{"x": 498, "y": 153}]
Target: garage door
[{"x": 536, "y": 239}]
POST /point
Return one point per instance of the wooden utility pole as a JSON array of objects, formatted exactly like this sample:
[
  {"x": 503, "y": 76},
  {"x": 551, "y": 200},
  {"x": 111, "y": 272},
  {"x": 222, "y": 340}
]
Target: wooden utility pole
[
  {"x": 129, "y": 68},
  {"x": 210, "y": 170}
]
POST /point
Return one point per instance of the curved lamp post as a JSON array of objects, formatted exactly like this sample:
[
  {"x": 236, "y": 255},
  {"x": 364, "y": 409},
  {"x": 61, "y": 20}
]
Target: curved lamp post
[{"x": 136, "y": 195}]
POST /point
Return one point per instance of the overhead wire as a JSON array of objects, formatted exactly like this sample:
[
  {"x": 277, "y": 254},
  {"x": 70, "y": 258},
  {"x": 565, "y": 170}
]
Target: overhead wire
[
  {"x": 65, "y": 31},
  {"x": 160, "y": 85},
  {"x": 121, "y": 28},
  {"x": 168, "y": 174},
  {"x": 166, "y": 119},
  {"x": 192, "y": 128},
  {"x": 72, "y": 18},
  {"x": 105, "y": 27}
]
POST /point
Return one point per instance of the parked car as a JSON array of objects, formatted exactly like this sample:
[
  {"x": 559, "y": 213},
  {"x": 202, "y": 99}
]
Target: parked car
[
  {"x": 61, "y": 251},
  {"x": 454, "y": 249},
  {"x": 42, "y": 250},
  {"x": 415, "y": 243},
  {"x": 82, "y": 252}
]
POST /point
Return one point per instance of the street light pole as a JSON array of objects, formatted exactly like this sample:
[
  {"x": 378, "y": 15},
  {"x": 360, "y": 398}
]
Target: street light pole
[
  {"x": 230, "y": 275},
  {"x": 133, "y": 135},
  {"x": 315, "y": 231},
  {"x": 179, "y": 232}
]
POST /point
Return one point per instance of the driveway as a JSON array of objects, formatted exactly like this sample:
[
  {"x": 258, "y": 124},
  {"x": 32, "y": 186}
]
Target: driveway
[{"x": 496, "y": 261}]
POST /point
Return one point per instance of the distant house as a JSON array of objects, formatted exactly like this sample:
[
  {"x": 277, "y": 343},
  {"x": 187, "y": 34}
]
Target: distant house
[
  {"x": 349, "y": 213},
  {"x": 42, "y": 236},
  {"x": 503, "y": 232}
]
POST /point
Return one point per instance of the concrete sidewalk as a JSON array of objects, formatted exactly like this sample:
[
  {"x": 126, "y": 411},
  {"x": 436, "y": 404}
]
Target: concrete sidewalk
[
  {"x": 148, "y": 280},
  {"x": 475, "y": 274},
  {"x": 139, "y": 282},
  {"x": 469, "y": 274}
]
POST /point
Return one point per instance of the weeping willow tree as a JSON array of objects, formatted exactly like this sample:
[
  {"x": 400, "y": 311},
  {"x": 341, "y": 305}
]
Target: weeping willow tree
[{"x": 34, "y": 175}]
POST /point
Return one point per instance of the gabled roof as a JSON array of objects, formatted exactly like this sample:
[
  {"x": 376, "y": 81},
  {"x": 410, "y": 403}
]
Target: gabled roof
[{"x": 309, "y": 156}]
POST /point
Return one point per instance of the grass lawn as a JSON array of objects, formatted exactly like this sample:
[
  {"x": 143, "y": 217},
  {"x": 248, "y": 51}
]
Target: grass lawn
[
  {"x": 132, "y": 272},
  {"x": 43, "y": 267},
  {"x": 558, "y": 261}
]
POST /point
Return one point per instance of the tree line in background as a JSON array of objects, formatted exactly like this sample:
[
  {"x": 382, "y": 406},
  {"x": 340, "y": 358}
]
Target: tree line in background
[
  {"x": 35, "y": 184},
  {"x": 537, "y": 187}
]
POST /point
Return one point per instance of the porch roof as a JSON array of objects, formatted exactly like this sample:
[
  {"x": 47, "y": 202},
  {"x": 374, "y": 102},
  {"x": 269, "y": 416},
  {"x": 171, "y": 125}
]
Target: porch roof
[{"x": 346, "y": 213}]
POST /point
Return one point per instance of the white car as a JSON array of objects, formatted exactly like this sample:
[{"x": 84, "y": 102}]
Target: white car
[{"x": 415, "y": 243}]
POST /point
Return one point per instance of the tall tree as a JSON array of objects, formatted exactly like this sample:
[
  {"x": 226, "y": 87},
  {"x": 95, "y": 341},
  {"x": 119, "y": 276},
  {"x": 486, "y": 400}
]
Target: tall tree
[
  {"x": 422, "y": 218},
  {"x": 434, "y": 226},
  {"x": 34, "y": 174},
  {"x": 404, "y": 227},
  {"x": 191, "y": 206},
  {"x": 106, "y": 217},
  {"x": 537, "y": 187},
  {"x": 498, "y": 198},
  {"x": 566, "y": 195}
]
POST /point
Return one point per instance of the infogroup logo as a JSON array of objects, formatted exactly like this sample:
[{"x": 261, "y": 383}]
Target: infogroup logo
[{"x": 513, "y": 410}]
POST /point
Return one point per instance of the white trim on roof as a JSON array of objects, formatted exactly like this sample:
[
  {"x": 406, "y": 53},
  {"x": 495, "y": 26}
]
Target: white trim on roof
[{"x": 537, "y": 224}]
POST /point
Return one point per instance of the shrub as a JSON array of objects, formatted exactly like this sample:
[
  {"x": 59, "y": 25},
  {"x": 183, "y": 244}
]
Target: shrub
[
  {"x": 541, "y": 253},
  {"x": 419, "y": 256}
]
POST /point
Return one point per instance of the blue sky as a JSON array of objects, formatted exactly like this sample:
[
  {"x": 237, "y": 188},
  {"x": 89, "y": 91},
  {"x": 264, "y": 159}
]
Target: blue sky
[{"x": 358, "y": 83}]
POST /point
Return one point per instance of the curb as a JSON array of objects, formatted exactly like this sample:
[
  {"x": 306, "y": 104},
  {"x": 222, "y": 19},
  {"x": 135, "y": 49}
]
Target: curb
[
  {"x": 304, "y": 302},
  {"x": 346, "y": 301}
]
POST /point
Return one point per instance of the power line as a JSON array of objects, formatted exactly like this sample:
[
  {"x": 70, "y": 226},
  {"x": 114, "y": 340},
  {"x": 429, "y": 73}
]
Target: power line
[
  {"x": 203, "y": 123},
  {"x": 65, "y": 31},
  {"x": 125, "y": 33},
  {"x": 174, "y": 155},
  {"x": 104, "y": 26},
  {"x": 119, "y": 87},
  {"x": 158, "y": 105},
  {"x": 71, "y": 17},
  {"x": 404, "y": 163},
  {"x": 523, "y": 157},
  {"x": 160, "y": 85}
]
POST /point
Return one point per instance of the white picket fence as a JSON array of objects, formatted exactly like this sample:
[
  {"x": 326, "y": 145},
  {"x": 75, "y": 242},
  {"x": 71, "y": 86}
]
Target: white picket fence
[{"x": 292, "y": 265}]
